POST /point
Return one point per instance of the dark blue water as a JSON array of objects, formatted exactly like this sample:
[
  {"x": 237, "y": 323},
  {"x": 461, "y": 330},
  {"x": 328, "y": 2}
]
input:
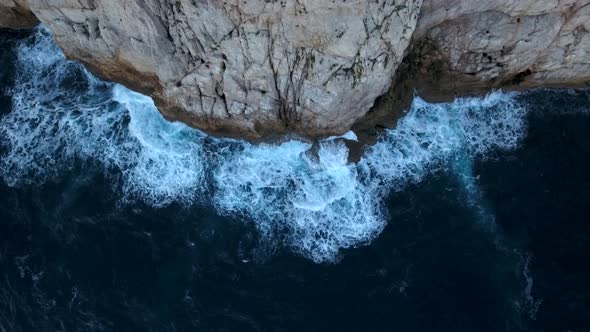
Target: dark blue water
[{"x": 492, "y": 235}]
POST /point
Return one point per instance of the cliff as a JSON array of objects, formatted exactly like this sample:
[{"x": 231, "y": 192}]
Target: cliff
[
  {"x": 466, "y": 46},
  {"x": 16, "y": 14},
  {"x": 258, "y": 68}
]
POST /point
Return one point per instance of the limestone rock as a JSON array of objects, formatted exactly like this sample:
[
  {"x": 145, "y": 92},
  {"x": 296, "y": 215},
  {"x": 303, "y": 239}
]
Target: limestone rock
[
  {"x": 16, "y": 14},
  {"x": 466, "y": 46},
  {"x": 248, "y": 68},
  {"x": 260, "y": 68}
]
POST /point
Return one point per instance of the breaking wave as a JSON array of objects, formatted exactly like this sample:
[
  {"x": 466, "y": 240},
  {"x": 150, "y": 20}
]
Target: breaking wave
[{"x": 315, "y": 205}]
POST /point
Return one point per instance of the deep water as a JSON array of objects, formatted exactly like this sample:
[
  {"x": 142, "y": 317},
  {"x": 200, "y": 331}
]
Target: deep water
[{"x": 468, "y": 216}]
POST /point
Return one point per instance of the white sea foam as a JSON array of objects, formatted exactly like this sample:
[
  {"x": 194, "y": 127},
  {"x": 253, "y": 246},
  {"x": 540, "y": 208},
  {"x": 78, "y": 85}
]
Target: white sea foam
[
  {"x": 168, "y": 157},
  {"x": 316, "y": 205},
  {"x": 321, "y": 204},
  {"x": 61, "y": 113},
  {"x": 349, "y": 135},
  {"x": 431, "y": 134},
  {"x": 49, "y": 123}
]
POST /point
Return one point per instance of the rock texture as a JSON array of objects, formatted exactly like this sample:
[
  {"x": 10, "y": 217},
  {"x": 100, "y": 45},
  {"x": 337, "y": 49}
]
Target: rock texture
[
  {"x": 16, "y": 14},
  {"x": 466, "y": 46},
  {"x": 258, "y": 68},
  {"x": 242, "y": 67}
]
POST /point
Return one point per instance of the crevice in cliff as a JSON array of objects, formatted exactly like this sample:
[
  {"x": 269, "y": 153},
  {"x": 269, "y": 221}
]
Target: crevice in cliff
[
  {"x": 520, "y": 77},
  {"x": 281, "y": 100}
]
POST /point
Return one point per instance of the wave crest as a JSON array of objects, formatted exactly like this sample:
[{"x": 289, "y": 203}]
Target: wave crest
[{"x": 314, "y": 205}]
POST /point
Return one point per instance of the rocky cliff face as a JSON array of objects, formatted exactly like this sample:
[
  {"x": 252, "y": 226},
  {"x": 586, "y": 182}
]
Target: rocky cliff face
[
  {"x": 16, "y": 14},
  {"x": 257, "y": 68},
  {"x": 242, "y": 67},
  {"x": 466, "y": 46}
]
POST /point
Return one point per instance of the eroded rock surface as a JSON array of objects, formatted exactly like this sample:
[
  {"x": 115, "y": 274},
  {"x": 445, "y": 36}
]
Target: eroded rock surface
[
  {"x": 242, "y": 67},
  {"x": 465, "y": 46},
  {"x": 16, "y": 14},
  {"x": 259, "y": 68}
]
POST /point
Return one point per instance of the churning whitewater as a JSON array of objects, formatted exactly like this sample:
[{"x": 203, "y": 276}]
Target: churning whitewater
[{"x": 62, "y": 116}]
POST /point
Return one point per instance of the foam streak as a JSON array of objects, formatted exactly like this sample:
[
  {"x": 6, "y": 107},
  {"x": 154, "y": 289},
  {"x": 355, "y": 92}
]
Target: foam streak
[{"x": 314, "y": 205}]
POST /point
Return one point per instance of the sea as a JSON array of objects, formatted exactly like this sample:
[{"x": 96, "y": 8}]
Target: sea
[{"x": 470, "y": 215}]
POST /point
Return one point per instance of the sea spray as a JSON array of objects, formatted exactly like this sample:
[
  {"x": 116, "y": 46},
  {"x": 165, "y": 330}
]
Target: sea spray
[{"x": 315, "y": 206}]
